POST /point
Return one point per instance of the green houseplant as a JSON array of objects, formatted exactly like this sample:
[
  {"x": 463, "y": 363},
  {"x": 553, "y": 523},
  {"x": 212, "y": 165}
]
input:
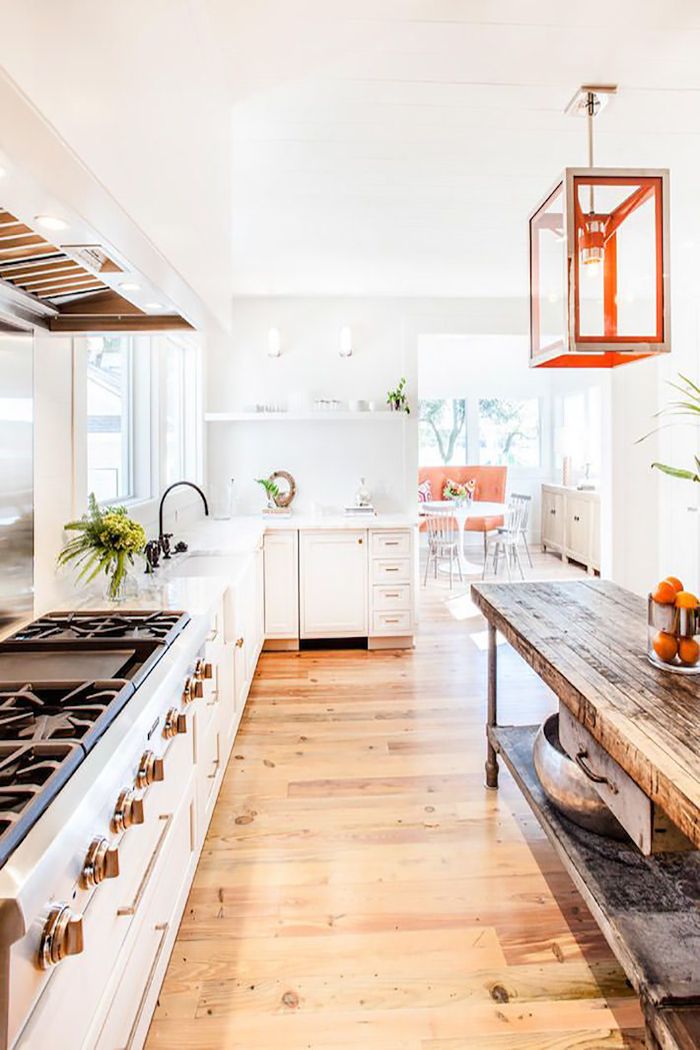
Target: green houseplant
[
  {"x": 686, "y": 408},
  {"x": 397, "y": 399},
  {"x": 272, "y": 490},
  {"x": 107, "y": 541}
]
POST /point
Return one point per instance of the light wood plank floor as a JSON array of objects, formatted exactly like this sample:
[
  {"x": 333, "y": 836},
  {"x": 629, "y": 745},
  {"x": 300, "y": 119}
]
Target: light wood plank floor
[{"x": 359, "y": 887}]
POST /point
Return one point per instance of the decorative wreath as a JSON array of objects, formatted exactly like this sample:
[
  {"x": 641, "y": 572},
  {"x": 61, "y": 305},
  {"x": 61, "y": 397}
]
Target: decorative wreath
[{"x": 284, "y": 497}]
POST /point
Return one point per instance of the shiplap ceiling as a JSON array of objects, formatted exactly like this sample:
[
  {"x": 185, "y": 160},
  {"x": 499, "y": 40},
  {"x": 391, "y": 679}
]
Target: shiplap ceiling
[
  {"x": 396, "y": 146},
  {"x": 388, "y": 147}
]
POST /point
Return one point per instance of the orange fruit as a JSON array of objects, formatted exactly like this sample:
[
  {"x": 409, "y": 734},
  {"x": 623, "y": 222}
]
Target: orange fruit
[
  {"x": 665, "y": 646},
  {"x": 665, "y": 593},
  {"x": 688, "y": 651},
  {"x": 675, "y": 583},
  {"x": 686, "y": 600}
]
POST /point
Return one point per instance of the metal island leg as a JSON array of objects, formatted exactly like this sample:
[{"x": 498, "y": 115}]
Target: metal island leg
[{"x": 491, "y": 711}]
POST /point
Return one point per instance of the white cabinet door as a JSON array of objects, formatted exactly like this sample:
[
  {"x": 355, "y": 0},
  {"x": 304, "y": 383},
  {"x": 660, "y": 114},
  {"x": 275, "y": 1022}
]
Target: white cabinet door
[
  {"x": 578, "y": 529},
  {"x": 552, "y": 519},
  {"x": 282, "y": 584},
  {"x": 333, "y": 583}
]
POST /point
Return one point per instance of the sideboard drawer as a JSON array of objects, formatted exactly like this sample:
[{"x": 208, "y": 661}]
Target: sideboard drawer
[
  {"x": 647, "y": 825},
  {"x": 387, "y": 598},
  {"x": 391, "y": 544},
  {"x": 391, "y": 570},
  {"x": 398, "y": 623}
]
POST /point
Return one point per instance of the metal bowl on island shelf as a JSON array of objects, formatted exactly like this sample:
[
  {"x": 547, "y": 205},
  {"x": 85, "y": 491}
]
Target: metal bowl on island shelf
[
  {"x": 674, "y": 637},
  {"x": 567, "y": 787}
]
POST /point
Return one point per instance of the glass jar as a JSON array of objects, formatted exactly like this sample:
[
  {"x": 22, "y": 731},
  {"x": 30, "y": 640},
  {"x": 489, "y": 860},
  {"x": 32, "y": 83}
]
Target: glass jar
[{"x": 673, "y": 637}]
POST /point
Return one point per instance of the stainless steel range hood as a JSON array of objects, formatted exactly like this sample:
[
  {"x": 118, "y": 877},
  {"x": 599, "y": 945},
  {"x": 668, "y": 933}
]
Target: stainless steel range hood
[{"x": 16, "y": 469}]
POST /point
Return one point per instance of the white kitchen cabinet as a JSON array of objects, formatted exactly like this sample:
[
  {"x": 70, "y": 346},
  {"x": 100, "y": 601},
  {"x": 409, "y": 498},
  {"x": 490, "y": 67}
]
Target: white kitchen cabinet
[
  {"x": 571, "y": 524},
  {"x": 333, "y": 579},
  {"x": 552, "y": 520},
  {"x": 281, "y": 582}
]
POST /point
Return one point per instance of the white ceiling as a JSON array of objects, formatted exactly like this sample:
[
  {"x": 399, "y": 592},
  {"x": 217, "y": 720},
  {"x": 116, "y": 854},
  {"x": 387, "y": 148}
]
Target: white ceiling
[
  {"x": 379, "y": 146},
  {"x": 397, "y": 146}
]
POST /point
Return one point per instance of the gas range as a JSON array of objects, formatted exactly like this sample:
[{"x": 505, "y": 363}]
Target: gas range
[{"x": 63, "y": 680}]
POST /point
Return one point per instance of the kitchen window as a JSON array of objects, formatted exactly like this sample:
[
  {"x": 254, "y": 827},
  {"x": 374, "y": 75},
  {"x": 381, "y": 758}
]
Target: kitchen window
[
  {"x": 110, "y": 417},
  {"x": 179, "y": 411},
  {"x": 509, "y": 432},
  {"x": 486, "y": 431},
  {"x": 137, "y": 430}
]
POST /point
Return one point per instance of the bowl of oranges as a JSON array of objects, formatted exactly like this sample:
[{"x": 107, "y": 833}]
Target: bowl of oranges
[{"x": 674, "y": 624}]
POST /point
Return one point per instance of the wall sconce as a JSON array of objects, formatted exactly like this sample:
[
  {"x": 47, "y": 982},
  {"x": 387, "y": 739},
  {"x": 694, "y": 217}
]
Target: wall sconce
[
  {"x": 346, "y": 341},
  {"x": 274, "y": 342}
]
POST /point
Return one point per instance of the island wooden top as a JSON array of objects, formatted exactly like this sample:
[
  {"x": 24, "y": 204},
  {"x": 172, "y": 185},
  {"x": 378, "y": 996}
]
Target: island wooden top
[{"x": 587, "y": 639}]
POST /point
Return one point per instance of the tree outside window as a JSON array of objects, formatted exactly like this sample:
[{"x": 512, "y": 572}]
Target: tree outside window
[
  {"x": 443, "y": 431},
  {"x": 508, "y": 431}
]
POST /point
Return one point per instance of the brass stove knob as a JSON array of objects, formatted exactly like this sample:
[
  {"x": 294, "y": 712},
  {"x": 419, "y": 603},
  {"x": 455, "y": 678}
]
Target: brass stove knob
[
  {"x": 128, "y": 810},
  {"x": 62, "y": 935},
  {"x": 175, "y": 723},
  {"x": 203, "y": 669},
  {"x": 150, "y": 769},
  {"x": 101, "y": 862},
  {"x": 194, "y": 690}
]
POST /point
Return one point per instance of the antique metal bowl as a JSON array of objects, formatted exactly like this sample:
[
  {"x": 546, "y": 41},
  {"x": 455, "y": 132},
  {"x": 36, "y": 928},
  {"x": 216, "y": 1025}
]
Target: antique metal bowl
[{"x": 566, "y": 786}]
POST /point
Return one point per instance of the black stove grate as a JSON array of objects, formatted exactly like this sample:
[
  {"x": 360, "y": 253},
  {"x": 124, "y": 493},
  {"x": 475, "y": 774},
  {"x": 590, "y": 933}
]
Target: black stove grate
[
  {"x": 75, "y": 626},
  {"x": 30, "y": 777},
  {"x": 48, "y": 712}
]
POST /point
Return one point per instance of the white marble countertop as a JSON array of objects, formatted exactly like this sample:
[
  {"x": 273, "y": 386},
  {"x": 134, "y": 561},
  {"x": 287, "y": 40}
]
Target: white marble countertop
[{"x": 244, "y": 533}]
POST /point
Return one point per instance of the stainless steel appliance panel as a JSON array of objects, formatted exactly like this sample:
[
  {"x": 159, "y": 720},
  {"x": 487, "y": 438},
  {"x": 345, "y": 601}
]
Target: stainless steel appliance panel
[{"x": 16, "y": 474}]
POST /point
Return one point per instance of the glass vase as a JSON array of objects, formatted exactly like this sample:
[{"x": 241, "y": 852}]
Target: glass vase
[{"x": 126, "y": 590}]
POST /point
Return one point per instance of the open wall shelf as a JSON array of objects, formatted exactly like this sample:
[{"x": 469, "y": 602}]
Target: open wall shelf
[{"x": 296, "y": 417}]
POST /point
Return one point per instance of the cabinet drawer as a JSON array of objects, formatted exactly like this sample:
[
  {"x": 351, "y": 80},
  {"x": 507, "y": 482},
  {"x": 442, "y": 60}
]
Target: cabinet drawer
[
  {"x": 390, "y": 544},
  {"x": 391, "y": 622},
  {"x": 129, "y": 1013},
  {"x": 647, "y": 826},
  {"x": 387, "y": 598},
  {"x": 391, "y": 570}
]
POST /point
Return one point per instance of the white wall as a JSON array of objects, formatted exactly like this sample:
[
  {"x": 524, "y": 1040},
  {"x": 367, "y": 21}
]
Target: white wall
[
  {"x": 391, "y": 337},
  {"x": 327, "y": 458}
]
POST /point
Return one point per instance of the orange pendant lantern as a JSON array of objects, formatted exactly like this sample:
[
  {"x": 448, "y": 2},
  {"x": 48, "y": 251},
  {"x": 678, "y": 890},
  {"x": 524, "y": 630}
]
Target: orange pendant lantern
[{"x": 599, "y": 268}]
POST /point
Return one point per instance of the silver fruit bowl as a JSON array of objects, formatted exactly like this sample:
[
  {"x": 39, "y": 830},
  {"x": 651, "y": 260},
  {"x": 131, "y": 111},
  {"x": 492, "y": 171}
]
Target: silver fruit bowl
[{"x": 567, "y": 787}]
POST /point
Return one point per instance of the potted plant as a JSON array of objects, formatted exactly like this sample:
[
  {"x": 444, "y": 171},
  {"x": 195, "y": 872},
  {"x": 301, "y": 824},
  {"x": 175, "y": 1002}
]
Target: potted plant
[
  {"x": 397, "y": 399},
  {"x": 272, "y": 491},
  {"x": 108, "y": 540}
]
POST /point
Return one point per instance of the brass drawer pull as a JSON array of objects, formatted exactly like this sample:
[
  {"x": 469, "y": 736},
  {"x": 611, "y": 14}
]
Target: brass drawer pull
[
  {"x": 596, "y": 778},
  {"x": 130, "y": 909}
]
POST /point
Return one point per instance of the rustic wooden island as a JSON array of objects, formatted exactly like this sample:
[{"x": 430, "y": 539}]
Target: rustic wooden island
[{"x": 638, "y": 728}]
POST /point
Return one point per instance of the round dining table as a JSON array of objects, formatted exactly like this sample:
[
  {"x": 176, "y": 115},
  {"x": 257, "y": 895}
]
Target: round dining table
[{"x": 462, "y": 512}]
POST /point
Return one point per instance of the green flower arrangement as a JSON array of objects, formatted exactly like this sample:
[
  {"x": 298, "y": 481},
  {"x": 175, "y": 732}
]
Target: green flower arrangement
[{"x": 108, "y": 542}]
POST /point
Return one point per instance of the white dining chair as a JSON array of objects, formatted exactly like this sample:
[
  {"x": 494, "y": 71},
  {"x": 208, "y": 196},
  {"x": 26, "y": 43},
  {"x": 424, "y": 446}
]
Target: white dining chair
[
  {"x": 443, "y": 544},
  {"x": 508, "y": 538}
]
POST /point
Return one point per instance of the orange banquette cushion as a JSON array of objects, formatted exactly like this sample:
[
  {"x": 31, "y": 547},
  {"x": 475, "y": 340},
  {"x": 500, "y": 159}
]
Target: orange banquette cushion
[{"x": 490, "y": 488}]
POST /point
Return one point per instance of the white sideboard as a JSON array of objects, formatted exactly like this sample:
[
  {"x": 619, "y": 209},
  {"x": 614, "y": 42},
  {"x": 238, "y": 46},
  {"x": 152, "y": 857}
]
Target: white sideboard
[
  {"x": 571, "y": 524},
  {"x": 340, "y": 583}
]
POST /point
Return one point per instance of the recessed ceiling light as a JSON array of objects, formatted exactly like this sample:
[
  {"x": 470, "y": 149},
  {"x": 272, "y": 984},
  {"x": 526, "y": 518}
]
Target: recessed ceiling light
[
  {"x": 154, "y": 306},
  {"x": 129, "y": 286},
  {"x": 50, "y": 222}
]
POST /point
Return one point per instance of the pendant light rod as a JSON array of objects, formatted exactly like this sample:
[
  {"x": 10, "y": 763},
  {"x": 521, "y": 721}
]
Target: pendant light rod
[{"x": 592, "y": 107}]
